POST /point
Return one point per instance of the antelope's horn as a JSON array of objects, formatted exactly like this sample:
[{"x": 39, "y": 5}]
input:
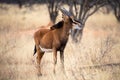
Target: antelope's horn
[{"x": 64, "y": 11}]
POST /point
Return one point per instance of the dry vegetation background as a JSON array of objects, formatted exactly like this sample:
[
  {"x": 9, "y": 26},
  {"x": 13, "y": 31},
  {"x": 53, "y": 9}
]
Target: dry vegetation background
[{"x": 97, "y": 57}]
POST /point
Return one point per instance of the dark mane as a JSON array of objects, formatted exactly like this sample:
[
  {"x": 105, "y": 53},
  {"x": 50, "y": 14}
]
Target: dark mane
[{"x": 57, "y": 26}]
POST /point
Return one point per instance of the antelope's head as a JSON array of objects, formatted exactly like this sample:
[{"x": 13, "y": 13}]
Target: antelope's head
[{"x": 67, "y": 16}]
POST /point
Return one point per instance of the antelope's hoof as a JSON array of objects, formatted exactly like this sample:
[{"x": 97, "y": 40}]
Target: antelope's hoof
[
  {"x": 54, "y": 72},
  {"x": 39, "y": 74}
]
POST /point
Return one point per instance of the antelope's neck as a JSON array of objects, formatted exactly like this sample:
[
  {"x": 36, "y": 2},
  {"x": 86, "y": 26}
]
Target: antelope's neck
[{"x": 66, "y": 29}]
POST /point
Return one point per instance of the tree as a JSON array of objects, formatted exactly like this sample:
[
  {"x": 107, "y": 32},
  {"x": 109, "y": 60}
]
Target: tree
[
  {"x": 115, "y": 4},
  {"x": 86, "y": 9},
  {"x": 53, "y": 9}
]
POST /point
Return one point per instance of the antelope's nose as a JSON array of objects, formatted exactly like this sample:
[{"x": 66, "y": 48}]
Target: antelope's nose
[{"x": 76, "y": 26}]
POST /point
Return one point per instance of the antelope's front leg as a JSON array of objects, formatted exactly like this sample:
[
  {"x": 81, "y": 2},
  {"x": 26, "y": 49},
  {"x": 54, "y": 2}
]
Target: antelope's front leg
[
  {"x": 55, "y": 59},
  {"x": 62, "y": 59}
]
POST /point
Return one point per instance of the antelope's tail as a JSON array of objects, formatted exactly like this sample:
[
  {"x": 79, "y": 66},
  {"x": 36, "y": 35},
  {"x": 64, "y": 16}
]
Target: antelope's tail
[{"x": 34, "y": 50}]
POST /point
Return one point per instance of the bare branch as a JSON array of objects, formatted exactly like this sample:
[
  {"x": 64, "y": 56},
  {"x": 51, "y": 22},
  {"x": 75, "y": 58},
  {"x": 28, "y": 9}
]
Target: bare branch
[
  {"x": 75, "y": 6},
  {"x": 92, "y": 12}
]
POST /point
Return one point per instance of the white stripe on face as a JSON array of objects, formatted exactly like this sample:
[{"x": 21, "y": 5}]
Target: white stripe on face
[{"x": 77, "y": 27}]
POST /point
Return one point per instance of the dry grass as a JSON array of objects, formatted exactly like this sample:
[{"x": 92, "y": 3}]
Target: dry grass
[{"x": 92, "y": 59}]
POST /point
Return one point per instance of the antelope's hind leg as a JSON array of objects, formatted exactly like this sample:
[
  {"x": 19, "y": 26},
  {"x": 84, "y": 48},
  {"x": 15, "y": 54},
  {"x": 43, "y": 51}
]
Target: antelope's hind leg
[{"x": 38, "y": 59}]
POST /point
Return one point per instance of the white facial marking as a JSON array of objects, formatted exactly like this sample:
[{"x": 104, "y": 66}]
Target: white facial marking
[{"x": 77, "y": 27}]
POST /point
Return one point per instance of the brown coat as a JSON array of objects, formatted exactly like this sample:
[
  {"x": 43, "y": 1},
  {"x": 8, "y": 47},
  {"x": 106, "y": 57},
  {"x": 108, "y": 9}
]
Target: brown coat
[{"x": 54, "y": 39}]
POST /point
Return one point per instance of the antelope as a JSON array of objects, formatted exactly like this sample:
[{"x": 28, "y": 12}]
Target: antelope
[{"x": 54, "y": 39}]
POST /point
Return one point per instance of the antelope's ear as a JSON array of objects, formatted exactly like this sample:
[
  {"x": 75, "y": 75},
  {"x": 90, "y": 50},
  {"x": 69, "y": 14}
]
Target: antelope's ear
[{"x": 52, "y": 27}]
